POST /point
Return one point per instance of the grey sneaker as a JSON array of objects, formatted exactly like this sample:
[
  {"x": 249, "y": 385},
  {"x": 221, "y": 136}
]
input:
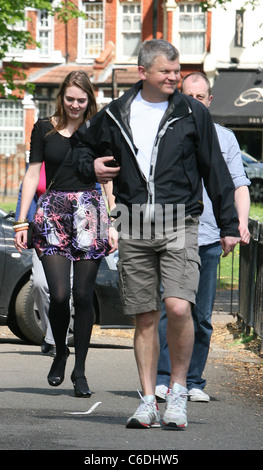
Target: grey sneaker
[
  {"x": 147, "y": 414},
  {"x": 160, "y": 393},
  {"x": 196, "y": 394},
  {"x": 175, "y": 415}
]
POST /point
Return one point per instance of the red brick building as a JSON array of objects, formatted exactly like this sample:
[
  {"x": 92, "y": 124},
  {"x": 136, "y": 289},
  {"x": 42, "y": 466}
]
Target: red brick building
[{"x": 105, "y": 44}]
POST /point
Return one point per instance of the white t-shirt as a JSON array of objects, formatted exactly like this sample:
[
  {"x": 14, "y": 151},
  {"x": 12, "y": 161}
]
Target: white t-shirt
[{"x": 144, "y": 121}]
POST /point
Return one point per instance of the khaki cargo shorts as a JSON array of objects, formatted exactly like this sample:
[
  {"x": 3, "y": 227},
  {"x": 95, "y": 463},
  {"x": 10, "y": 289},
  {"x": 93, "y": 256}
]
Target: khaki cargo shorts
[{"x": 145, "y": 265}]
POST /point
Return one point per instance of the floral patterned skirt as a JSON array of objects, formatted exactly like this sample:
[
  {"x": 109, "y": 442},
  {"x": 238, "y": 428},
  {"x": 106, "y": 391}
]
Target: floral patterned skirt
[{"x": 71, "y": 224}]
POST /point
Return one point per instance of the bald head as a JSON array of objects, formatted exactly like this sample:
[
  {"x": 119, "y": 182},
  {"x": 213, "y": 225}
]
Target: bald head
[{"x": 197, "y": 85}]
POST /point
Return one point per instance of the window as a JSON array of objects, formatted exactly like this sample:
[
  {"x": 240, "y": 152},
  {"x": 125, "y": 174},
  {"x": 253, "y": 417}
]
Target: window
[
  {"x": 192, "y": 29},
  {"x": 16, "y": 50},
  {"x": 44, "y": 33},
  {"x": 45, "y": 108},
  {"x": 11, "y": 126},
  {"x": 92, "y": 29},
  {"x": 45, "y": 100},
  {"x": 131, "y": 29}
]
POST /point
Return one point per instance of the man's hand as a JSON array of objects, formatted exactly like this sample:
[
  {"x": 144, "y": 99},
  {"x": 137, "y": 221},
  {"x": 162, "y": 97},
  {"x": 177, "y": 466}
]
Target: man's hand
[
  {"x": 244, "y": 233},
  {"x": 228, "y": 244},
  {"x": 105, "y": 173}
]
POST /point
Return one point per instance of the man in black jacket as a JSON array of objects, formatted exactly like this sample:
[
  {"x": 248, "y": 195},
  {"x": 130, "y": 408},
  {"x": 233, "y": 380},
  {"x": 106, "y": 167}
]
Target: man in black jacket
[{"x": 164, "y": 143}]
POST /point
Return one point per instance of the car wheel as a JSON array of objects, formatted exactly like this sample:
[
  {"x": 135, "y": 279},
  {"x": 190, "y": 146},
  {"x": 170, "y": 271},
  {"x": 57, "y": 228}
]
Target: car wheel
[
  {"x": 256, "y": 190},
  {"x": 28, "y": 318},
  {"x": 13, "y": 326}
]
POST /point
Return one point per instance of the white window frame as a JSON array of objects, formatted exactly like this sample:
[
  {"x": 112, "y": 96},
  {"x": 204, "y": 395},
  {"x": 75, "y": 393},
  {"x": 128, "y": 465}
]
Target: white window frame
[
  {"x": 48, "y": 28},
  {"x": 14, "y": 52},
  {"x": 11, "y": 126},
  {"x": 122, "y": 32},
  {"x": 191, "y": 57},
  {"x": 84, "y": 31},
  {"x": 34, "y": 55}
]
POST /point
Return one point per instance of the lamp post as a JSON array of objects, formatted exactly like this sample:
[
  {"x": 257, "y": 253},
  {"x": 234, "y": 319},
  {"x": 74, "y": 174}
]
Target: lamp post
[
  {"x": 155, "y": 18},
  {"x": 113, "y": 83}
]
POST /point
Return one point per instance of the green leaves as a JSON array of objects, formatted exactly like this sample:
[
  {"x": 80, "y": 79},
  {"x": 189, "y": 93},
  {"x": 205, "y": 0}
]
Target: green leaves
[
  {"x": 14, "y": 33},
  {"x": 208, "y": 4}
]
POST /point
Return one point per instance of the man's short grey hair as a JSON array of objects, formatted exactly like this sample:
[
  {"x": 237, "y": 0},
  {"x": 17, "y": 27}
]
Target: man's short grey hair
[{"x": 149, "y": 50}]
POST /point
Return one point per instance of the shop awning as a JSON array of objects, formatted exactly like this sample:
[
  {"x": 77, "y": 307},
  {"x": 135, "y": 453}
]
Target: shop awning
[{"x": 238, "y": 98}]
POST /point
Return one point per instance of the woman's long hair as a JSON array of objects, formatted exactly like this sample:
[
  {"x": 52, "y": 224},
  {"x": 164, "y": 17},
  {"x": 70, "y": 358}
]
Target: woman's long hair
[{"x": 80, "y": 79}]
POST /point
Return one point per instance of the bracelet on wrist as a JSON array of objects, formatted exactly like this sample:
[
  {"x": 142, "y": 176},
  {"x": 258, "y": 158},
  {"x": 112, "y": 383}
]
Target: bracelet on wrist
[
  {"x": 21, "y": 227},
  {"x": 19, "y": 222}
]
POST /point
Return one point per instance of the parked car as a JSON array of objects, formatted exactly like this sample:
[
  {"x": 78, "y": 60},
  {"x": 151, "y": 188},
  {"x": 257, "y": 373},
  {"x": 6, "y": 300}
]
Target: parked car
[
  {"x": 17, "y": 308},
  {"x": 254, "y": 171}
]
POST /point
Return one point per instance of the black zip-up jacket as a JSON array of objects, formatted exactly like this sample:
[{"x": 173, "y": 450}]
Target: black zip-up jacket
[{"x": 186, "y": 149}]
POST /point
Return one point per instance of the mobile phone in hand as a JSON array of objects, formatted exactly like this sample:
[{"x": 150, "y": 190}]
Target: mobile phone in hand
[{"x": 112, "y": 163}]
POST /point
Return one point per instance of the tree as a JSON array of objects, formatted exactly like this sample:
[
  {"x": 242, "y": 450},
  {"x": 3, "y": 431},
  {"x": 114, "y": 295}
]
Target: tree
[
  {"x": 12, "y": 14},
  {"x": 207, "y": 4}
]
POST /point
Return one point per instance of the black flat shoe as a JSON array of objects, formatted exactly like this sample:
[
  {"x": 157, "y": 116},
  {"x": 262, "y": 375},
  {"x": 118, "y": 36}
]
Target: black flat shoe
[
  {"x": 81, "y": 387},
  {"x": 57, "y": 371},
  {"x": 45, "y": 347}
]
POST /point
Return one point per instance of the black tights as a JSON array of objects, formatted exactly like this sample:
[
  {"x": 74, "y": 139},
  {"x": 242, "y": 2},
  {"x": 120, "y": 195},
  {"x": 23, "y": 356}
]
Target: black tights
[{"x": 57, "y": 271}]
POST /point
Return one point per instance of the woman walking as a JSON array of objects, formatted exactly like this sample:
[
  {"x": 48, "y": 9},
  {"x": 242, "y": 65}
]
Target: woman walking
[{"x": 71, "y": 225}]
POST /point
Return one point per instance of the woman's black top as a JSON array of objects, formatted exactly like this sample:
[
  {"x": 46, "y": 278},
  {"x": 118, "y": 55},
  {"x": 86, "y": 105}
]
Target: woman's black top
[{"x": 49, "y": 146}]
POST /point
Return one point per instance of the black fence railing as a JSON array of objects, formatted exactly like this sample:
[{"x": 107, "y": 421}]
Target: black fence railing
[
  {"x": 244, "y": 299},
  {"x": 251, "y": 281},
  {"x": 226, "y": 300}
]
